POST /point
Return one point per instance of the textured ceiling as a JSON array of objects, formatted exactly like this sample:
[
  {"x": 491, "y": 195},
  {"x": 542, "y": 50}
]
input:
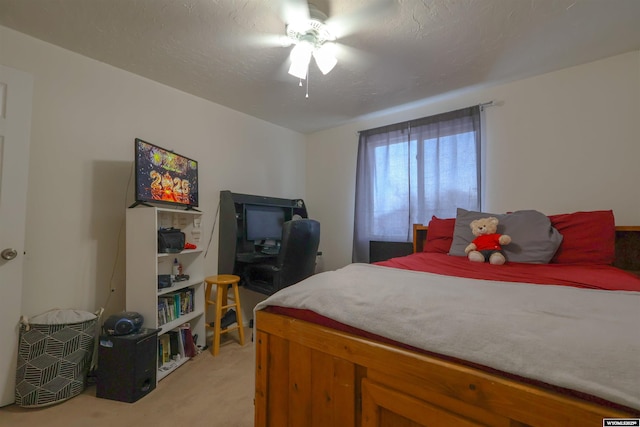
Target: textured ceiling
[{"x": 394, "y": 51}]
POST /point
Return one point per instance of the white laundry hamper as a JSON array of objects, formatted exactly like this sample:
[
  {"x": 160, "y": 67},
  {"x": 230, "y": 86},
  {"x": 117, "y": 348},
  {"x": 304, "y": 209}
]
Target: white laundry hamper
[{"x": 54, "y": 356}]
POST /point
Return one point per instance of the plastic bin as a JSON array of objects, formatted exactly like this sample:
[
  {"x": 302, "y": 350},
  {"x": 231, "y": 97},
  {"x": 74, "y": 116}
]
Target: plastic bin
[{"x": 54, "y": 356}]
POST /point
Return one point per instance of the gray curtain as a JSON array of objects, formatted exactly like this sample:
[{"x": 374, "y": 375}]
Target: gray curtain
[{"x": 409, "y": 171}]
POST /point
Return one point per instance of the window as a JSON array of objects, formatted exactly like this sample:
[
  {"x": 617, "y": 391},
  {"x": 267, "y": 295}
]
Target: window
[{"x": 410, "y": 171}]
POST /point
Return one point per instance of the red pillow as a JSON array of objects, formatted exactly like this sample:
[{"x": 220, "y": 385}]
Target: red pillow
[
  {"x": 588, "y": 237},
  {"x": 439, "y": 235}
]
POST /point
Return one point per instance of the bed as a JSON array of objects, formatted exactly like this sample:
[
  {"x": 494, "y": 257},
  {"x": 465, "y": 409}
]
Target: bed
[{"x": 424, "y": 340}]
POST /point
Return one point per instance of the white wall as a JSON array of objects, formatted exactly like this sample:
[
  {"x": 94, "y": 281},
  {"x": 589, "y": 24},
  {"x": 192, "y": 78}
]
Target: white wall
[
  {"x": 86, "y": 115},
  {"x": 560, "y": 142}
]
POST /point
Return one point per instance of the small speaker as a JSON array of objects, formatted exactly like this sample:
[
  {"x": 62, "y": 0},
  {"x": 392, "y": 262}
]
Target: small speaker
[{"x": 127, "y": 365}]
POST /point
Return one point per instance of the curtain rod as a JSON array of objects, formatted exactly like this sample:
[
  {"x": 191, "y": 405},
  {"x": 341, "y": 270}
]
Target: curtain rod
[{"x": 482, "y": 106}]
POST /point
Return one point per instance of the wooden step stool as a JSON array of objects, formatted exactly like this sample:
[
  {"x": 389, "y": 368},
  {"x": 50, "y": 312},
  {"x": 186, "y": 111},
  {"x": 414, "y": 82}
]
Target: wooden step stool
[{"x": 222, "y": 281}]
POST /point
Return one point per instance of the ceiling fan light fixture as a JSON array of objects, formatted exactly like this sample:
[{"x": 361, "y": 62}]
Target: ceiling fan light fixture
[
  {"x": 300, "y": 58},
  {"x": 325, "y": 59},
  {"x": 311, "y": 37},
  {"x": 299, "y": 70}
]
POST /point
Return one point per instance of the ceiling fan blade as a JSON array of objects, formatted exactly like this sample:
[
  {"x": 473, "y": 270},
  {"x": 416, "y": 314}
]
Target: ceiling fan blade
[
  {"x": 344, "y": 24},
  {"x": 262, "y": 40},
  {"x": 294, "y": 10},
  {"x": 353, "y": 58}
]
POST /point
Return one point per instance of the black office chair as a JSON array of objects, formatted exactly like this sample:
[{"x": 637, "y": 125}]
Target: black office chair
[{"x": 296, "y": 260}]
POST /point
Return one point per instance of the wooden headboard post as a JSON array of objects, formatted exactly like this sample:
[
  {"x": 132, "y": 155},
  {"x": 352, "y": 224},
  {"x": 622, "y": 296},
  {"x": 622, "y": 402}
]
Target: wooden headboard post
[
  {"x": 628, "y": 248},
  {"x": 419, "y": 237}
]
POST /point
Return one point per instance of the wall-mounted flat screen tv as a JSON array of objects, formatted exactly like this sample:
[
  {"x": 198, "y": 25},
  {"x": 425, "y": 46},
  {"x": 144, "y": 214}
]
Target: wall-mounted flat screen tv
[{"x": 163, "y": 176}]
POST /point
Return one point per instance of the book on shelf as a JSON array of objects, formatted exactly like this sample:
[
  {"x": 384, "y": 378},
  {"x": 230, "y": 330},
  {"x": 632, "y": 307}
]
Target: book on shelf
[
  {"x": 164, "y": 348},
  {"x": 171, "y": 312},
  {"x": 176, "y": 342},
  {"x": 162, "y": 317},
  {"x": 174, "y": 297},
  {"x": 189, "y": 344},
  {"x": 166, "y": 309},
  {"x": 186, "y": 301}
]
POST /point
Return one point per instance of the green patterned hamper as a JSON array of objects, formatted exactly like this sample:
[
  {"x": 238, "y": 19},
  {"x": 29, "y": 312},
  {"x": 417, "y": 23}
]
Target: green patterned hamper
[{"x": 54, "y": 356}]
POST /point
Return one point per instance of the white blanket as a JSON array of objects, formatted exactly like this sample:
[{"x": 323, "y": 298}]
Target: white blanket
[{"x": 582, "y": 339}]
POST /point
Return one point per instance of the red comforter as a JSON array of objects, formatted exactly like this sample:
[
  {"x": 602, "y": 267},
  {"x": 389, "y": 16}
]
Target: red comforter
[{"x": 582, "y": 276}]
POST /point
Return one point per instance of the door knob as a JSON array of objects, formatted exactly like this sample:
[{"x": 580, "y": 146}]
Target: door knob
[{"x": 9, "y": 254}]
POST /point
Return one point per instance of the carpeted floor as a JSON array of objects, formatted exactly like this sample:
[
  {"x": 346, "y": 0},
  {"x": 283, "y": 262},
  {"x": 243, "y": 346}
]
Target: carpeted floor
[{"x": 206, "y": 391}]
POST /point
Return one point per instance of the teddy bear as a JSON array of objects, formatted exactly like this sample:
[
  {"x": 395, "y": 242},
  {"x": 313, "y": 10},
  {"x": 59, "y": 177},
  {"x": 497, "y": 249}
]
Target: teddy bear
[{"x": 487, "y": 246}]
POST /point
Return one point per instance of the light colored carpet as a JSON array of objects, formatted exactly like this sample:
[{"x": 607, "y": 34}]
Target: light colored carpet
[{"x": 205, "y": 391}]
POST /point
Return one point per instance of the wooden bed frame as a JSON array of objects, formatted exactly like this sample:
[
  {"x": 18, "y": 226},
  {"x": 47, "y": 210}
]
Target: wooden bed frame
[{"x": 311, "y": 375}]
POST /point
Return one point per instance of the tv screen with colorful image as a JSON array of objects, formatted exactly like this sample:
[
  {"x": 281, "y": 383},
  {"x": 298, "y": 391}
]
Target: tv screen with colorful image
[{"x": 163, "y": 176}]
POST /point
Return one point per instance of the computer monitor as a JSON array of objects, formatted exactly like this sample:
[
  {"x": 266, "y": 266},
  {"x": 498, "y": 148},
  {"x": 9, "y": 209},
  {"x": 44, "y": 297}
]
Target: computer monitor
[{"x": 263, "y": 222}]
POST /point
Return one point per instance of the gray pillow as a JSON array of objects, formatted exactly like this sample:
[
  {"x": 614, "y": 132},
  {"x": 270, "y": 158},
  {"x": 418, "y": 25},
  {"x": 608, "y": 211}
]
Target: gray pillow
[{"x": 533, "y": 238}]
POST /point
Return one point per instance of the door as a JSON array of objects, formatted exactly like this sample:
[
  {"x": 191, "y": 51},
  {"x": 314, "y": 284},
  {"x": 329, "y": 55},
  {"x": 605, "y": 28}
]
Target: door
[{"x": 15, "y": 124}]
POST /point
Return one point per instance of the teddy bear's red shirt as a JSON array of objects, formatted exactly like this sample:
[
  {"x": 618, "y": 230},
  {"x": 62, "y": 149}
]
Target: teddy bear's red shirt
[{"x": 488, "y": 242}]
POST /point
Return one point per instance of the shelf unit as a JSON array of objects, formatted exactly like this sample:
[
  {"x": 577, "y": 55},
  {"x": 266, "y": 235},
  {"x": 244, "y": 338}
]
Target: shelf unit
[{"x": 144, "y": 264}]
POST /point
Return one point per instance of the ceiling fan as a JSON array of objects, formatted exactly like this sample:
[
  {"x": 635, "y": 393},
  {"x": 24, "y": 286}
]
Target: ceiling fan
[
  {"x": 311, "y": 37},
  {"x": 314, "y": 35}
]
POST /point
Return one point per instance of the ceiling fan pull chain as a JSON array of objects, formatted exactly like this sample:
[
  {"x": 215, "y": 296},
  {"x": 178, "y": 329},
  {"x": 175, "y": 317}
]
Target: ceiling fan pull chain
[{"x": 307, "y": 95}]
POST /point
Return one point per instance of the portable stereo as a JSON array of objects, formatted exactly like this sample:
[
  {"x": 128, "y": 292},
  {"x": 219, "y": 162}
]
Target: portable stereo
[{"x": 124, "y": 323}]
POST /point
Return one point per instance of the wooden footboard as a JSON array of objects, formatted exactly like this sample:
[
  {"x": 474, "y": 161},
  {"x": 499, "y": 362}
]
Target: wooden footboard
[{"x": 310, "y": 375}]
